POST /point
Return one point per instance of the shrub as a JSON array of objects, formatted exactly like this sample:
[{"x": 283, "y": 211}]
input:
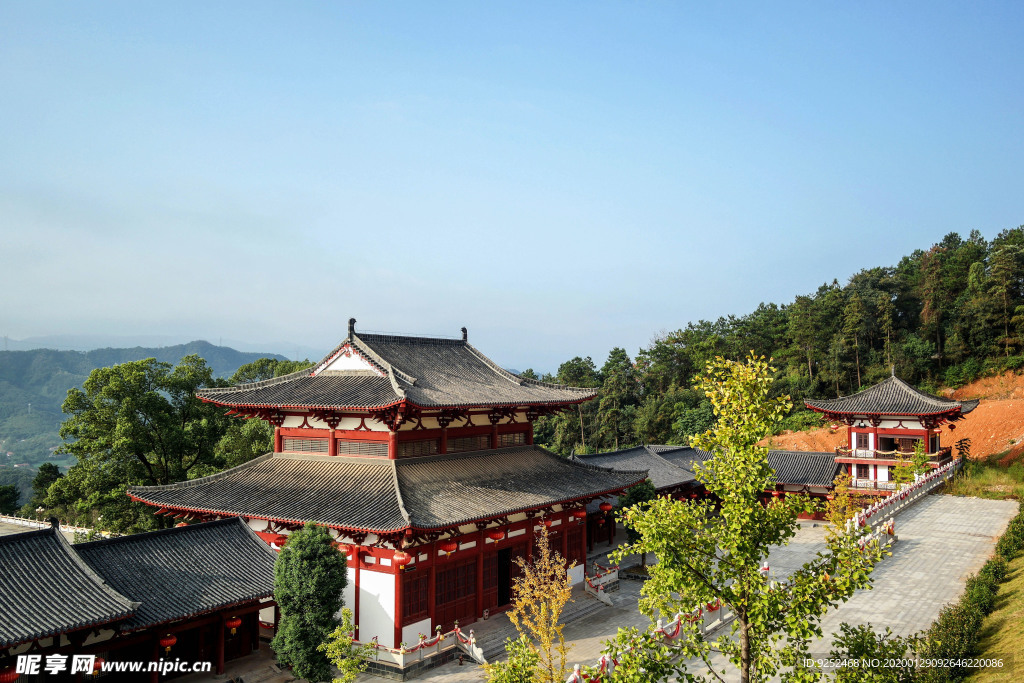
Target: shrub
[
  {"x": 954, "y": 635},
  {"x": 981, "y": 592},
  {"x": 996, "y": 568}
]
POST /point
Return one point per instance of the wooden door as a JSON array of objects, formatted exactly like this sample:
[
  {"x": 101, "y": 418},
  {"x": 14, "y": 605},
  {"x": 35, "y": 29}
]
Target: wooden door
[{"x": 455, "y": 594}]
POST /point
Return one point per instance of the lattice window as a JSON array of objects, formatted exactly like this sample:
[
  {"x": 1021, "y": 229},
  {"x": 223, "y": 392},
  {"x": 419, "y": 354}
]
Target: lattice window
[
  {"x": 412, "y": 449},
  {"x": 862, "y": 441},
  {"x": 376, "y": 449},
  {"x": 511, "y": 439},
  {"x": 469, "y": 443},
  {"x": 293, "y": 445},
  {"x": 414, "y": 597}
]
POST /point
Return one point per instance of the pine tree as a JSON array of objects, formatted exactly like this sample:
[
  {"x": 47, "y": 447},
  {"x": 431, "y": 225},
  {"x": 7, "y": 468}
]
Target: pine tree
[{"x": 309, "y": 577}]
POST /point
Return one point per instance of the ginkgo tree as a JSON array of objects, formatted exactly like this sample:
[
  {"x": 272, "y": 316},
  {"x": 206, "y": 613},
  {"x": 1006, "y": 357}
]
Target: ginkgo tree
[{"x": 712, "y": 551}]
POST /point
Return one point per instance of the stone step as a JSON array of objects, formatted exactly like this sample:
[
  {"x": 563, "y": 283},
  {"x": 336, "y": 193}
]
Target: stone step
[{"x": 583, "y": 605}]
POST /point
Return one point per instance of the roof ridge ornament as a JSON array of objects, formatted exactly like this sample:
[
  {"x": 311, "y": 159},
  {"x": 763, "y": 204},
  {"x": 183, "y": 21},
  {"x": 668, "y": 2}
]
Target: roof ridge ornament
[
  {"x": 465, "y": 334},
  {"x": 351, "y": 327}
]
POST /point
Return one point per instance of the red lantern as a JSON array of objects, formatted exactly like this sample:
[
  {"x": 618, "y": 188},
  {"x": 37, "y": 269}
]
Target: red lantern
[
  {"x": 168, "y": 641},
  {"x": 776, "y": 494},
  {"x": 97, "y": 665},
  {"x": 546, "y": 523},
  {"x": 401, "y": 558},
  {"x": 496, "y": 535},
  {"x": 9, "y": 675},
  {"x": 606, "y": 506},
  {"x": 829, "y": 497},
  {"x": 233, "y": 623},
  {"x": 181, "y": 524},
  {"x": 448, "y": 547},
  {"x": 579, "y": 514},
  {"x": 600, "y": 521}
]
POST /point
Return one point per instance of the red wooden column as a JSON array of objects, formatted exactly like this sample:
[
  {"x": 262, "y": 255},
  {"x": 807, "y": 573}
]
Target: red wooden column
[
  {"x": 354, "y": 557},
  {"x": 584, "y": 537},
  {"x": 431, "y": 583},
  {"x": 529, "y": 436},
  {"x": 444, "y": 439},
  {"x": 479, "y": 575},
  {"x": 398, "y": 604},
  {"x": 332, "y": 442},
  {"x": 277, "y": 439},
  {"x": 392, "y": 445},
  {"x": 565, "y": 535},
  {"x": 220, "y": 644}
]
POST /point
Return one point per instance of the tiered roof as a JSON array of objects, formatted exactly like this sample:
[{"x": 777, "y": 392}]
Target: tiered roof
[
  {"x": 427, "y": 372},
  {"x": 385, "y": 496},
  {"x": 892, "y": 397}
]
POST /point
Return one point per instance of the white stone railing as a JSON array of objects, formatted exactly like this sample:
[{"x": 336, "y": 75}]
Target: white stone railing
[
  {"x": 429, "y": 647},
  {"x": 595, "y": 585},
  {"x": 906, "y": 495},
  {"x": 37, "y": 524}
]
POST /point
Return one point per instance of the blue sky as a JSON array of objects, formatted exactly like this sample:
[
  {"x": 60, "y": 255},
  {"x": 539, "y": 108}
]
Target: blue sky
[{"x": 561, "y": 178}]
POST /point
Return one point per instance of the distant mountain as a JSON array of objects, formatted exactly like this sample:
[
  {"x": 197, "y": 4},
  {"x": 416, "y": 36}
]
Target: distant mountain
[
  {"x": 91, "y": 342},
  {"x": 34, "y": 384}
]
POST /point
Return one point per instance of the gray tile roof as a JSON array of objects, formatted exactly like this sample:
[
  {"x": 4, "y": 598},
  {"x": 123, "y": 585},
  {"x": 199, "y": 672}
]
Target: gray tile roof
[
  {"x": 663, "y": 473},
  {"x": 892, "y": 396},
  {"x": 426, "y": 371},
  {"x": 389, "y": 495},
  {"x": 45, "y": 589},
  {"x": 186, "y": 571},
  {"x": 800, "y": 468}
]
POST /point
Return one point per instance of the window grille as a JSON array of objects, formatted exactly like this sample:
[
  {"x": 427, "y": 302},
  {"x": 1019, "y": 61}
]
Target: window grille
[
  {"x": 862, "y": 441},
  {"x": 511, "y": 439},
  {"x": 293, "y": 445},
  {"x": 414, "y": 597},
  {"x": 469, "y": 443},
  {"x": 412, "y": 449},
  {"x": 376, "y": 449}
]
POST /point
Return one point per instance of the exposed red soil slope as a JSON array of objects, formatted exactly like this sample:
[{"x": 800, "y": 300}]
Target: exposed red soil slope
[{"x": 995, "y": 426}]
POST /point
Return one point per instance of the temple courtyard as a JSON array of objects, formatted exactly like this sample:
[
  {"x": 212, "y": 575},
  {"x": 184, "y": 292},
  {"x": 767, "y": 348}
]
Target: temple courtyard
[{"x": 942, "y": 540}]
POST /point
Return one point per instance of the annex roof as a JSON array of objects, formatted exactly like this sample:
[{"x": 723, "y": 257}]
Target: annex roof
[
  {"x": 186, "y": 571},
  {"x": 803, "y": 468},
  {"x": 662, "y": 472},
  {"x": 383, "y": 496},
  {"x": 892, "y": 396},
  {"x": 46, "y": 589},
  {"x": 428, "y": 372}
]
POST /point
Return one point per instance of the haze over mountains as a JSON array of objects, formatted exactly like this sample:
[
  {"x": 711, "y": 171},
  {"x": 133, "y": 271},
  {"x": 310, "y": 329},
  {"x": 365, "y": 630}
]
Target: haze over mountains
[
  {"x": 34, "y": 384},
  {"x": 90, "y": 342}
]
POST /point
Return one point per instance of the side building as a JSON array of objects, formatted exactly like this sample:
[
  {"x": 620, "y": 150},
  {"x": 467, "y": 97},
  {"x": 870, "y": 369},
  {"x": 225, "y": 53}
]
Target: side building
[
  {"x": 417, "y": 453},
  {"x": 884, "y": 425}
]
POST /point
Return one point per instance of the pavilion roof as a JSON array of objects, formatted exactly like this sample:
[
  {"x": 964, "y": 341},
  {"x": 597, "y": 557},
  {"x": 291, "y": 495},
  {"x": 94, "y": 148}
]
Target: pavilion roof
[
  {"x": 385, "y": 496},
  {"x": 892, "y": 396},
  {"x": 46, "y": 589},
  {"x": 428, "y": 372},
  {"x": 184, "y": 572}
]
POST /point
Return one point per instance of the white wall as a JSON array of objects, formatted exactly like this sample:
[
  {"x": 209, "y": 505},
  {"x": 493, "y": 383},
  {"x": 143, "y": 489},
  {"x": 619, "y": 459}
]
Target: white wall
[
  {"x": 575, "y": 574},
  {"x": 411, "y": 633},
  {"x": 377, "y": 607},
  {"x": 349, "y": 594}
]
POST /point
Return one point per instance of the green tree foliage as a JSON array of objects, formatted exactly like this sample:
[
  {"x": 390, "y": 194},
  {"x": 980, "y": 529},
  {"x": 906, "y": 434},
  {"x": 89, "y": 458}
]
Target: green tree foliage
[
  {"x": 45, "y": 476},
  {"x": 708, "y": 552},
  {"x": 523, "y": 660},
  {"x": 247, "y": 439},
  {"x": 348, "y": 656},
  {"x": 9, "y": 496},
  {"x": 134, "y": 423},
  {"x": 862, "y": 644},
  {"x": 309, "y": 577}
]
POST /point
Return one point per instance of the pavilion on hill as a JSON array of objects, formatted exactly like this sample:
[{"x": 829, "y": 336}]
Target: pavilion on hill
[
  {"x": 884, "y": 425},
  {"x": 417, "y": 454}
]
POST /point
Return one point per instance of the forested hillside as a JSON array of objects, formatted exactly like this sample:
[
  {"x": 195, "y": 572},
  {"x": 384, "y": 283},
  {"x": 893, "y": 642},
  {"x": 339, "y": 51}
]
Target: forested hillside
[
  {"x": 34, "y": 384},
  {"x": 940, "y": 316}
]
